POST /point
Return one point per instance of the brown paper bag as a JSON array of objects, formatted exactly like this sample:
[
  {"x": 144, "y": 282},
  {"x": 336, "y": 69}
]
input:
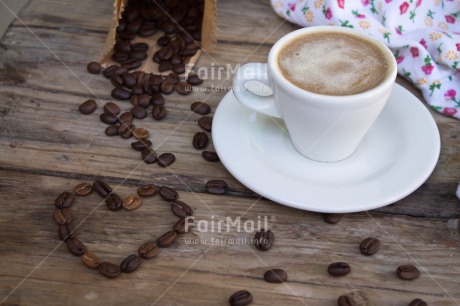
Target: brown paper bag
[{"x": 208, "y": 33}]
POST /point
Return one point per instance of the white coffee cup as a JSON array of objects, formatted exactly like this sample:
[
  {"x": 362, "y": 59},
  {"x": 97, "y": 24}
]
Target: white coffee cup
[{"x": 324, "y": 128}]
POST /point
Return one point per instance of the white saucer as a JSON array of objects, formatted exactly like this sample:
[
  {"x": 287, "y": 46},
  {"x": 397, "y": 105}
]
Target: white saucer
[{"x": 396, "y": 156}]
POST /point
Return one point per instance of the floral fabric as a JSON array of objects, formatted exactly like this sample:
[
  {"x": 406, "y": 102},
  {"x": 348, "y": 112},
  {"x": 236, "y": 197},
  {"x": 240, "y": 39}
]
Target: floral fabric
[{"x": 424, "y": 36}]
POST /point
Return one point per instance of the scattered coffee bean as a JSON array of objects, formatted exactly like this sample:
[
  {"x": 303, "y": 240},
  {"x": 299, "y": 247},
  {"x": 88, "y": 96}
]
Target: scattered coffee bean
[
  {"x": 113, "y": 201},
  {"x": 141, "y": 145},
  {"x": 139, "y": 112},
  {"x": 240, "y": 298},
  {"x": 216, "y": 187},
  {"x": 139, "y": 47},
  {"x": 102, "y": 188},
  {"x": 110, "y": 70},
  {"x": 167, "y": 239},
  {"x": 407, "y": 272},
  {"x": 332, "y": 218},
  {"x": 62, "y": 216},
  {"x": 193, "y": 79},
  {"x": 130, "y": 64},
  {"x": 94, "y": 67},
  {"x": 109, "y": 270},
  {"x": 418, "y": 302},
  {"x": 148, "y": 190},
  {"x": 142, "y": 100},
  {"x": 205, "y": 123},
  {"x": 210, "y": 156},
  {"x": 64, "y": 200},
  {"x": 91, "y": 260},
  {"x": 263, "y": 239},
  {"x": 128, "y": 80},
  {"x": 165, "y": 53},
  {"x": 116, "y": 80},
  {"x": 200, "y": 140},
  {"x": 149, "y": 156},
  {"x": 158, "y": 112},
  {"x": 183, "y": 225},
  {"x": 66, "y": 231},
  {"x": 83, "y": 189},
  {"x": 164, "y": 66},
  {"x": 181, "y": 209},
  {"x": 111, "y": 108},
  {"x": 157, "y": 99},
  {"x": 167, "y": 87},
  {"x": 137, "y": 89},
  {"x": 126, "y": 131},
  {"x": 126, "y": 118},
  {"x": 346, "y": 300},
  {"x": 369, "y": 246},
  {"x": 120, "y": 93},
  {"x": 132, "y": 202},
  {"x": 338, "y": 269},
  {"x": 183, "y": 88},
  {"x": 76, "y": 247},
  {"x": 141, "y": 134},
  {"x": 166, "y": 159},
  {"x": 201, "y": 108},
  {"x": 168, "y": 194},
  {"x": 148, "y": 250},
  {"x": 179, "y": 68},
  {"x": 112, "y": 130},
  {"x": 164, "y": 41},
  {"x": 88, "y": 107},
  {"x": 108, "y": 118},
  {"x": 130, "y": 263},
  {"x": 275, "y": 276}
]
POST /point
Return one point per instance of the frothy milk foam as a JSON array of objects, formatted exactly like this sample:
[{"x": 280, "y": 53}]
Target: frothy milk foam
[{"x": 332, "y": 63}]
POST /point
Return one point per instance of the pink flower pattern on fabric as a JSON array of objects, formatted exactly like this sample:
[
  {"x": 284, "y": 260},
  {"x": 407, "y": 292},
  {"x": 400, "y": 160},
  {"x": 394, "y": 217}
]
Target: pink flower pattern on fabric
[{"x": 431, "y": 62}]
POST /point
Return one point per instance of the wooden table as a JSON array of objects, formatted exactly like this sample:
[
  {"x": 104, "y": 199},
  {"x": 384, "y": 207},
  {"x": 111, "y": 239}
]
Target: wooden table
[{"x": 47, "y": 146}]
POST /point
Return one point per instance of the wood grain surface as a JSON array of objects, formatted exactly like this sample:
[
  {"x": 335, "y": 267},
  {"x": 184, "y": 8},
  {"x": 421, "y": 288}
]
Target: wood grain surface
[{"x": 47, "y": 146}]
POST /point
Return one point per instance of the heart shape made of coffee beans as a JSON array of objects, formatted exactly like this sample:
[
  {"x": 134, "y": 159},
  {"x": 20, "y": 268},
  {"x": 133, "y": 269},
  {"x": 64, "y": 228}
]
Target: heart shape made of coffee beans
[{"x": 113, "y": 201}]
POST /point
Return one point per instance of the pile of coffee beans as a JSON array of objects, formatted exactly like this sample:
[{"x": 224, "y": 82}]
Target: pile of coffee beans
[{"x": 63, "y": 217}]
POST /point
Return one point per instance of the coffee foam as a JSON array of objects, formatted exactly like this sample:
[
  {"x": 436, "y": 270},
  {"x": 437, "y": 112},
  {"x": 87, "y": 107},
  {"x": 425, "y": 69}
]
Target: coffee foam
[{"x": 332, "y": 63}]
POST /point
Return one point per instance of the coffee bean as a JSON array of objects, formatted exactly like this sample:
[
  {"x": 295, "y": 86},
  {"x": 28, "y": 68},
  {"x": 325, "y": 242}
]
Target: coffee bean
[
  {"x": 139, "y": 112},
  {"x": 66, "y": 231},
  {"x": 181, "y": 209},
  {"x": 119, "y": 57},
  {"x": 142, "y": 100},
  {"x": 126, "y": 118},
  {"x": 167, "y": 87},
  {"x": 148, "y": 250},
  {"x": 111, "y": 108},
  {"x": 132, "y": 202},
  {"x": 332, "y": 218},
  {"x": 137, "y": 89},
  {"x": 164, "y": 66},
  {"x": 108, "y": 118},
  {"x": 157, "y": 99},
  {"x": 176, "y": 59},
  {"x": 165, "y": 53},
  {"x": 158, "y": 112},
  {"x": 164, "y": 41},
  {"x": 369, "y": 246},
  {"x": 179, "y": 69},
  {"x": 240, "y": 298},
  {"x": 275, "y": 276},
  {"x": 102, "y": 188},
  {"x": 94, "y": 68},
  {"x": 83, "y": 189},
  {"x": 149, "y": 156},
  {"x": 116, "y": 80},
  {"x": 173, "y": 78},
  {"x": 109, "y": 270},
  {"x": 139, "y": 47},
  {"x": 147, "y": 30},
  {"x": 346, "y": 300},
  {"x": 141, "y": 144},
  {"x": 156, "y": 58},
  {"x": 183, "y": 225},
  {"x": 210, "y": 156},
  {"x": 122, "y": 46},
  {"x": 200, "y": 108},
  {"x": 120, "y": 71},
  {"x": 110, "y": 70},
  {"x": 88, "y": 107},
  {"x": 125, "y": 130},
  {"x": 76, "y": 247},
  {"x": 147, "y": 190},
  {"x": 62, "y": 216},
  {"x": 168, "y": 27},
  {"x": 130, "y": 263},
  {"x": 263, "y": 239},
  {"x": 128, "y": 80},
  {"x": 183, "y": 88},
  {"x": 200, "y": 140},
  {"x": 168, "y": 194},
  {"x": 138, "y": 55},
  {"x": 120, "y": 93},
  {"x": 113, "y": 201},
  {"x": 407, "y": 272},
  {"x": 130, "y": 64},
  {"x": 112, "y": 130},
  {"x": 418, "y": 302},
  {"x": 166, "y": 159},
  {"x": 141, "y": 134},
  {"x": 216, "y": 187},
  {"x": 194, "y": 80},
  {"x": 64, "y": 200},
  {"x": 338, "y": 269},
  {"x": 205, "y": 123},
  {"x": 91, "y": 260},
  {"x": 167, "y": 239}
]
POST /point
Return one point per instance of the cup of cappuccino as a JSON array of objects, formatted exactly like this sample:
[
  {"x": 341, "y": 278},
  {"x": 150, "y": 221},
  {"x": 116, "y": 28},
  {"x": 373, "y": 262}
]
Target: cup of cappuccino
[{"x": 329, "y": 86}]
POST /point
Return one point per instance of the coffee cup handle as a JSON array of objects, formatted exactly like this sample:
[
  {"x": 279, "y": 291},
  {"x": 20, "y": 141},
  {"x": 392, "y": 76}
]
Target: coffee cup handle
[{"x": 254, "y": 72}]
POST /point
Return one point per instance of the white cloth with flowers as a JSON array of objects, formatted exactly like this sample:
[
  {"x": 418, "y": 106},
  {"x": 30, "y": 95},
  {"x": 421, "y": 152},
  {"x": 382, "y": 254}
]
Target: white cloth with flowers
[{"x": 424, "y": 36}]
